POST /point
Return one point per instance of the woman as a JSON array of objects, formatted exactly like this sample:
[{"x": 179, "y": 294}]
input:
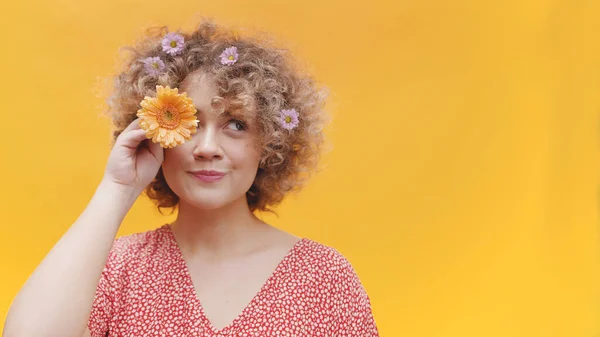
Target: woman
[{"x": 251, "y": 134}]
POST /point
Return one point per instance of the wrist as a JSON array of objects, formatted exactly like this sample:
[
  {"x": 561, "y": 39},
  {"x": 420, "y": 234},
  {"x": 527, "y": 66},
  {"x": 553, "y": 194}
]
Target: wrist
[{"x": 120, "y": 193}]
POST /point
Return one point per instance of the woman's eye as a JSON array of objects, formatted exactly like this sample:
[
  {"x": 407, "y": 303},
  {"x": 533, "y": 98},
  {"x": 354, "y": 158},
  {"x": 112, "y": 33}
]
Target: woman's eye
[{"x": 236, "y": 125}]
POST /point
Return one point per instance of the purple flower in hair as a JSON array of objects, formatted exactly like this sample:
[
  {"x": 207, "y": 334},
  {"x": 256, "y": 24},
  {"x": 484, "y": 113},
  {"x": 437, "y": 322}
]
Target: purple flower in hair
[
  {"x": 153, "y": 65},
  {"x": 172, "y": 44},
  {"x": 289, "y": 119},
  {"x": 229, "y": 56}
]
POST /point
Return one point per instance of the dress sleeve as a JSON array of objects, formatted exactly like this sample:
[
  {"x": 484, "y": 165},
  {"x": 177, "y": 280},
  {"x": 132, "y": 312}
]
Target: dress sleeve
[
  {"x": 104, "y": 299},
  {"x": 352, "y": 313}
]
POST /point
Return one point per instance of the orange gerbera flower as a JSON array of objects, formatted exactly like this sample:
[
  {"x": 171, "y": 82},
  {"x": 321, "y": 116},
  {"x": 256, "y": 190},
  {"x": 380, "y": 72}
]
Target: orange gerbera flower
[{"x": 169, "y": 118}]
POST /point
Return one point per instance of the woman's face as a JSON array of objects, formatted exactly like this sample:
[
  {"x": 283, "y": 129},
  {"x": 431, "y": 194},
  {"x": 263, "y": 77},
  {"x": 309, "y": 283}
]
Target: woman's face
[{"x": 218, "y": 165}]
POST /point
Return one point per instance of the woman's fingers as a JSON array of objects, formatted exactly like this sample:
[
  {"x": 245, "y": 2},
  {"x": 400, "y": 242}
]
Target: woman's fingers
[{"x": 133, "y": 138}]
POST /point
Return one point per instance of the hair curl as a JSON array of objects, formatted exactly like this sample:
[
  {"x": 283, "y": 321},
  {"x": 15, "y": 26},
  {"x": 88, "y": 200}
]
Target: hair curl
[{"x": 263, "y": 81}]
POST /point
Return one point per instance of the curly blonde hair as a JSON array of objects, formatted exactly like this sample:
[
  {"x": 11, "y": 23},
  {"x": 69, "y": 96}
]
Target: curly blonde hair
[{"x": 261, "y": 83}]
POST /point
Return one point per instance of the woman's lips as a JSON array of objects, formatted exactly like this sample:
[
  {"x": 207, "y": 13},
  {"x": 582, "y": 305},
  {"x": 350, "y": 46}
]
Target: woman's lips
[{"x": 208, "y": 176}]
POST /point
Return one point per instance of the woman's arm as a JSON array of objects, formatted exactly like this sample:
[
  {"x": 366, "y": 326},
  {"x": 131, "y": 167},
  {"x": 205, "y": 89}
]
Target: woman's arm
[
  {"x": 352, "y": 315},
  {"x": 57, "y": 298}
]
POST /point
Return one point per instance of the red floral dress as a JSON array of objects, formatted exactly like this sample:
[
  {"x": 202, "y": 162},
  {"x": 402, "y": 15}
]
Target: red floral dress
[{"x": 146, "y": 291}]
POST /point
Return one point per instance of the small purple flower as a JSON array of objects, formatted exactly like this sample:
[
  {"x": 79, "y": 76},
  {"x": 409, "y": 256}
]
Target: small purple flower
[
  {"x": 153, "y": 65},
  {"x": 172, "y": 44},
  {"x": 229, "y": 56},
  {"x": 289, "y": 118}
]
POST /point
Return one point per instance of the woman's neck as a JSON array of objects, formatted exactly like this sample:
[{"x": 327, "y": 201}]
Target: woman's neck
[{"x": 219, "y": 233}]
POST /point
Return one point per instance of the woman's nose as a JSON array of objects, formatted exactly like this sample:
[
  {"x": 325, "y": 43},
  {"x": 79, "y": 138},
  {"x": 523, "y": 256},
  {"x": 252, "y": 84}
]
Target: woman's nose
[{"x": 207, "y": 145}]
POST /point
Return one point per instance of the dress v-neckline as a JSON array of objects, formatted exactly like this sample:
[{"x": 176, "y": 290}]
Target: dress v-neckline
[{"x": 197, "y": 304}]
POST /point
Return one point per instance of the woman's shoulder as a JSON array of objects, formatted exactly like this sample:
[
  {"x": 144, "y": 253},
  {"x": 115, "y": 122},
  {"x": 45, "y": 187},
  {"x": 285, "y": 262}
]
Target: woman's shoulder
[
  {"x": 142, "y": 245},
  {"x": 325, "y": 263},
  {"x": 316, "y": 251},
  {"x": 339, "y": 291}
]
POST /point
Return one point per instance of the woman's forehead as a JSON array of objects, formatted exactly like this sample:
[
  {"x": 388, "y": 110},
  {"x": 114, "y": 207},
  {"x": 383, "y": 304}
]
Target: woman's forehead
[{"x": 200, "y": 88}]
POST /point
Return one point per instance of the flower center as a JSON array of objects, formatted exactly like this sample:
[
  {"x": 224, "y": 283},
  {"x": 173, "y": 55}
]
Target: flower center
[
  {"x": 288, "y": 119},
  {"x": 155, "y": 65},
  {"x": 168, "y": 118},
  {"x": 173, "y": 44},
  {"x": 231, "y": 57}
]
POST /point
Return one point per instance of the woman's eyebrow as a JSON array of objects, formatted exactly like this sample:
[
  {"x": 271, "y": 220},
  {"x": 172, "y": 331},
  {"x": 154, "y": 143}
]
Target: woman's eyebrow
[{"x": 222, "y": 114}]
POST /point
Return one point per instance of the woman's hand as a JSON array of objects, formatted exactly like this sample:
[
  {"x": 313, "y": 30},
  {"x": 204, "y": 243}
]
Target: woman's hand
[{"x": 134, "y": 160}]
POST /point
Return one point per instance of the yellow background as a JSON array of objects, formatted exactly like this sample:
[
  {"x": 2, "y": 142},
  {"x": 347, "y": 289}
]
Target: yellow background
[{"x": 463, "y": 182}]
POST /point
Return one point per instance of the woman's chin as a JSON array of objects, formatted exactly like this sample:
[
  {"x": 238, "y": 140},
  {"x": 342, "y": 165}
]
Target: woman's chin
[{"x": 210, "y": 201}]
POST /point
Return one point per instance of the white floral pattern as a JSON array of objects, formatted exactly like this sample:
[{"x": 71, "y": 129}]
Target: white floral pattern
[{"x": 146, "y": 290}]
